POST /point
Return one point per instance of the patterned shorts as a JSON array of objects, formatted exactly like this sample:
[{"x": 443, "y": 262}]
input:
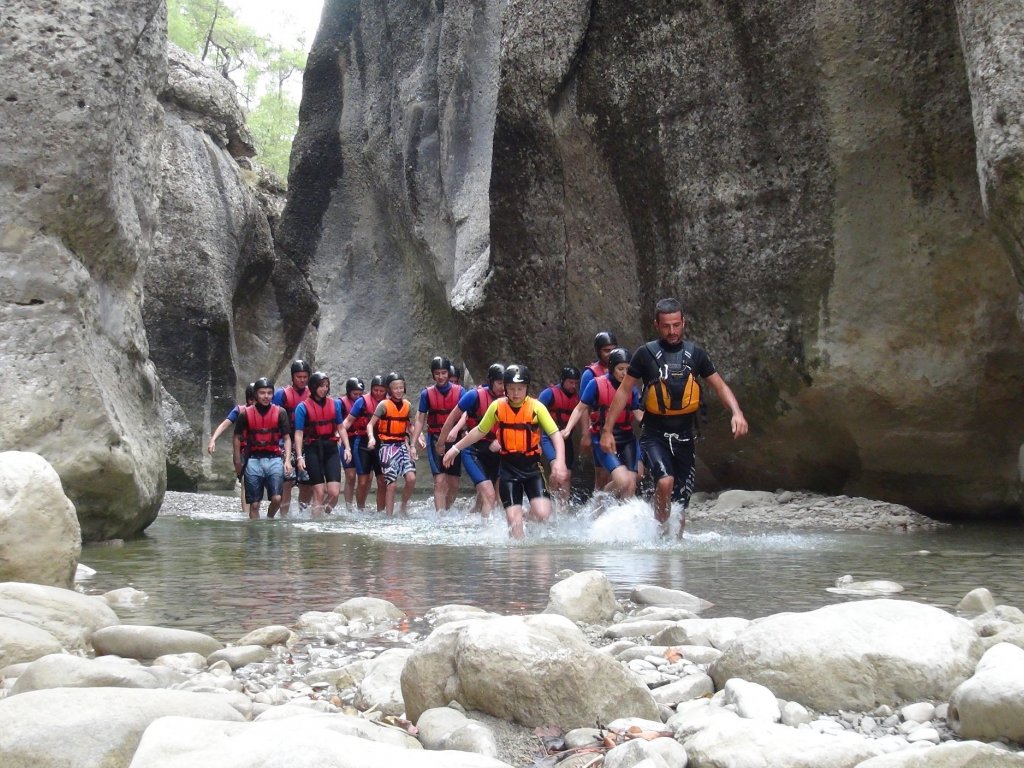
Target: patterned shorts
[{"x": 395, "y": 461}]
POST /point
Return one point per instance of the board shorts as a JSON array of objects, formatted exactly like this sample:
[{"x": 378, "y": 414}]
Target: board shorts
[
  {"x": 671, "y": 455},
  {"x": 395, "y": 461},
  {"x": 434, "y": 459},
  {"x": 263, "y": 473},
  {"x": 625, "y": 452},
  {"x": 323, "y": 464}
]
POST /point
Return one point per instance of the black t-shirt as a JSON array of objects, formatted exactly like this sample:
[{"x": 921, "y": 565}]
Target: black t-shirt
[{"x": 643, "y": 366}]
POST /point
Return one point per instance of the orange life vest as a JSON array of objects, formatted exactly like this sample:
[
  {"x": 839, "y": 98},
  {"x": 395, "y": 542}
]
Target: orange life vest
[
  {"x": 439, "y": 406},
  {"x": 518, "y": 431},
  {"x": 320, "y": 419},
  {"x": 605, "y": 395},
  {"x": 263, "y": 431},
  {"x": 393, "y": 426},
  {"x": 562, "y": 405}
]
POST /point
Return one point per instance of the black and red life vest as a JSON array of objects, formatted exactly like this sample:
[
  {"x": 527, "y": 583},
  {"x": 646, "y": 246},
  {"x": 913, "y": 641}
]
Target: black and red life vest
[
  {"x": 605, "y": 395},
  {"x": 439, "y": 406},
  {"x": 320, "y": 420},
  {"x": 263, "y": 430},
  {"x": 562, "y": 405},
  {"x": 484, "y": 397}
]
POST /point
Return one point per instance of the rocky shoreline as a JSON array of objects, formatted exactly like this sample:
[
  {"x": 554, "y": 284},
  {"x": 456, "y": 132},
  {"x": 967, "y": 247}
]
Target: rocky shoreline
[{"x": 589, "y": 681}]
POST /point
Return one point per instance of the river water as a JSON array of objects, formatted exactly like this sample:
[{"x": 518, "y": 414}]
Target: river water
[{"x": 205, "y": 567}]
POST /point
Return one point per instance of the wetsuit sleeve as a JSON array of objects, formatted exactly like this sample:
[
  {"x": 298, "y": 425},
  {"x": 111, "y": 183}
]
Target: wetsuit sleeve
[
  {"x": 358, "y": 408},
  {"x": 490, "y": 418},
  {"x": 424, "y": 401},
  {"x": 300, "y": 416},
  {"x": 278, "y": 398},
  {"x": 590, "y": 394},
  {"x": 468, "y": 401},
  {"x": 585, "y": 379},
  {"x": 643, "y": 365},
  {"x": 634, "y": 401},
  {"x": 233, "y": 414},
  {"x": 339, "y": 411},
  {"x": 546, "y": 398},
  {"x": 544, "y": 420}
]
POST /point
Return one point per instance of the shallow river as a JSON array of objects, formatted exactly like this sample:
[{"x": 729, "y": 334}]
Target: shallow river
[{"x": 211, "y": 570}]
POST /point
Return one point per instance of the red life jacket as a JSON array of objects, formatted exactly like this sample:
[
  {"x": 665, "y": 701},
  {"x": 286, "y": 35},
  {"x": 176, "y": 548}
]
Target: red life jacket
[
  {"x": 597, "y": 368},
  {"x": 440, "y": 406},
  {"x": 359, "y": 422},
  {"x": 393, "y": 426},
  {"x": 346, "y": 405},
  {"x": 605, "y": 394},
  {"x": 562, "y": 405},
  {"x": 320, "y": 420},
  {"x": 484, "y": 399},
  {"x": 263, "y": 431},
  {"x": 292, "y": 398},
  {"x": 518, "y": 431}
]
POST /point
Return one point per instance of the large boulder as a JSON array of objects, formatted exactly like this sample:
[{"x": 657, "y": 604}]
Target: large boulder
[
  {"x": 80, "y": 135},
  {"x": 565, "y": 164},
  {"x": 854, "y": 655},
  {"x": 138, "y": 641},
  {"x": 990, "y": 705},
  {"x": 88, "y": 727},
  {"x": 221, "y": 308},
  {"x": 586, "y": 597},
  {"x": 534, "y": 670},
  {"x": 23, "y": 642},
  {"x": 63, "y": 670},
  {"x": 953, "y": 754},
  {"x": 40, "y": 538},
  {"x": 70, "y": 617}
]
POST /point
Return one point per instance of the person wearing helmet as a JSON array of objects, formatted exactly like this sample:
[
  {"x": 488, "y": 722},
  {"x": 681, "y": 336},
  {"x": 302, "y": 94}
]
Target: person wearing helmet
[
  {"x": 391, "y": 423},
  {"x": 230, "y": 419},
  {"x": 560, "y": 399},
  {"x": 354, "y": 389},
  {"x": 481, "y": 462},
  {"x": 317, "y": 432},
  {"x": 620, "y": 465},
  {"x": 265, "y": 429},
  {"x": 518, "y": 420},
  {"x": 668, "y": 368},
  {"x": 436, "y": 402},
  {"x": 289, "y": 398},
  {"x": 455, "y": 373},
  {"x": 604, "y": 343},
  {"x": 354, "y": 437}
]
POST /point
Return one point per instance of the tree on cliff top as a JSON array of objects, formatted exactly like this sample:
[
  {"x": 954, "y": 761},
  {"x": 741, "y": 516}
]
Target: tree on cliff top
[{"x": 259, "y": 69}]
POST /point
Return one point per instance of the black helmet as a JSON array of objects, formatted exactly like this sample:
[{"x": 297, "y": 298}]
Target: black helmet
[
  {"x": 495, "y": 372},
  {"x": 617, "y": 356},
  {"x": 250, "y": 391},
  {"x": 439, "y": 363},
  {"x": 603, "y": 339},
  {"x": 353, "y": 384},
  {"x": 454, "y": 372},
  {"x": 378, "y": 381},
  {"x": 569, "y": 372},
  {"x": 393, "y": 376},
  {"x": 262, "y": 383},
  {"x": 318, "y": 378},
  {"x": 300, "y": 366},
  {"x": 516, "y": 374}
]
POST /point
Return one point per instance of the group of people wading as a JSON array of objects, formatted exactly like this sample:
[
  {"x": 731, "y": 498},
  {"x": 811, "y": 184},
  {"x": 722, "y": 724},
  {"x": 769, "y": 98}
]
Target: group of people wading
[{"x": 496, "y": 431}]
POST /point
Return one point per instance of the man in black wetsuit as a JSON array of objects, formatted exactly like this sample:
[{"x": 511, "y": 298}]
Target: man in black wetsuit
[{"x": 668, "y": 367}]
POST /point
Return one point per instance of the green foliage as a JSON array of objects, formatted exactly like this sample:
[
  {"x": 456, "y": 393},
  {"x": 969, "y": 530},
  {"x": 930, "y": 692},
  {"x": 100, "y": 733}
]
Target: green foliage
[{"x": 259, "y": 69}]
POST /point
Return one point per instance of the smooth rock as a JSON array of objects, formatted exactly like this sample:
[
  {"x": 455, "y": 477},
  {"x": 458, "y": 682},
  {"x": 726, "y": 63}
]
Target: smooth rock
[
  {"x": 845, "y": 585},
  {"x": 444, "y": 614},
  {"x": 370, "y": 610},
  {"x": 125, "y": 597},
  {"x": 239, "y": 655},
  {"x": 61, "y": 670},
  {"x": 586, "y": 597},
  {"x": 48, "y": 728},
  {"x": 531, "y": 669},
  {"x": 651, "y": 594},
  {"x": 794, "y": 714},
  {"x": 716, "y": 633},
  {"x": 729, "y": 501},
  {"x": 638, "y": 629},
  {"x": 146, "y": 642},
  {"x": 268, "y": 636},
  {"x": 976, "y": 601},
  {"x": 921, "y": 712},
  {"x": 965, "y": 754},
  {"x": 658, "y": 753},
  {"x": 752, "y": 701},
  {"x": 858, "y": 655},
  {"x": 351, "y": 725},
  {"x": 381, "y": 688},
  {"x": 69, "y": 616},
  {"x": 689, "y": 687},
  {"x": 181, "y": 662},
  {"x": 324, "y": 741},
  {"x": 22, "y": 642},
  {"x": 990, "y": 705},
  {"x": 40, "y": 538}
]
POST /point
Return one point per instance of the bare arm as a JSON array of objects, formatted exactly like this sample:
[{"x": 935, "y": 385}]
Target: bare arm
[
  {"x": 221, "y": 428},
  {"x": 581, "y": 411},
  {"x": 449, "y": 425},
  {"x": 417, "y": 429},
  {"x": 371, "y": 432}
]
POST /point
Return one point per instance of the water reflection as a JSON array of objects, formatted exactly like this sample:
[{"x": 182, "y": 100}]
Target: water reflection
[{"x": 215, "y": 572}]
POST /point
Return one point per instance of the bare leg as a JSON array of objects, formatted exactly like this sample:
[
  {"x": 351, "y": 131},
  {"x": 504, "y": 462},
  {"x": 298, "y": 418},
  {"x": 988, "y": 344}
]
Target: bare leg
[
  {"x": 389, "y": 499},
  {"x": 333, "y": 492},
  {"x": 286, "y": 500},
  {"x": 451, "y": 490},
  {"x": 540, "y": 509},
  {"x": 351, "y": 481},
  {"x": 275, "y": 504},
  {"x": 318, "y": 493},
  {"x": 622, "y": 482},
  {"x": 441, "y": 493},
  {"x": 410, "y": 485},
  {"x": 362, "y": 490},
  {"x": 514, "y": 516},
  {"x": 382, "y": 492},
  {"x": 663, "y": 502},
  {"x": 486, "y": 498}
]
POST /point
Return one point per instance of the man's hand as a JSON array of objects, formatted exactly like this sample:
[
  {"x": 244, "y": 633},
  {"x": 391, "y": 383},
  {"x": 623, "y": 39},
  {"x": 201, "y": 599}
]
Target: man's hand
[
  {"x": 608, "y": 441},
  {"x": 739, "y": 425}
]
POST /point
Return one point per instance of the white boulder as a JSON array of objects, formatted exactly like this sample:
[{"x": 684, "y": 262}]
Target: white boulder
[
  {"x": 369, "y": 610},
  {"x": 854, "y": 655},
  {"x": 952, "y": 754},
  {"x": 69, "y": 616},
  {"x": 446, "y": 728},
  {"x": 651, "y": 594},
  {"x": 40, "y": 538},
  {"x": 62, "y": 670},
  {"x": 586, "y": 597},
  {"x": 715, "y": 633},
  {"x": 23, "y": 642},
  {"x": 381, "y": 687},
  {"x": 269, "y": 636},
  {"x": 752, "y": 701},
  {"x": 138, "y": 641},
  {"x": 531, "y": 669},
  {"x": 990, "y": 705}
]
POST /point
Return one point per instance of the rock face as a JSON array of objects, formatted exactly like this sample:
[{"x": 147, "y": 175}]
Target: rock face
[
  {"x": 801, "y": 175},
  {"x": 80, "y": 128},
  {"x": 221, "y": 308},
  {"x": 40, "y": 539}
]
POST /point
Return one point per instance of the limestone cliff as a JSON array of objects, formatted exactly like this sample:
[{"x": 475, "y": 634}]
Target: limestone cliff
[
  {"x": 504, "y": 178},
  {"x": 80, "y": 131},
  {"x": 221, "y": 307}
]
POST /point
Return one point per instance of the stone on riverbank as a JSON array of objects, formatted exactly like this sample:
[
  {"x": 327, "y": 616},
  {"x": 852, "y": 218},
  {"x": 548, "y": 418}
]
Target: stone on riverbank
[
  {"x": 69, "y": 616},
  {"x": 446, "y": 728},
  {"x": 714, "y": 633},
  {"x": 239, "y": 655},
  {"x": 268, "y": 637},
  {"x": 20, "y": 642},
  {"x": 966, "y": 754},
  {"x": 89, "y": 727},
  {"x": 381, "y": 686},
  {"x": 651, "y": 594},
  {"x": 585, "y": 597},
  {"x": 854, "y": 655},
  {"x": 62, "y": 670},
  {"x": 137, "y": 641},
  {"x": 533, "y": 670},
  {"x": 641, "y": 753},
  {"x": 317, "y": 740},
  {"x": 369, "y": 610},
  {"x": 990, "y": 705},
  {"x": 40, "y": 538}
]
